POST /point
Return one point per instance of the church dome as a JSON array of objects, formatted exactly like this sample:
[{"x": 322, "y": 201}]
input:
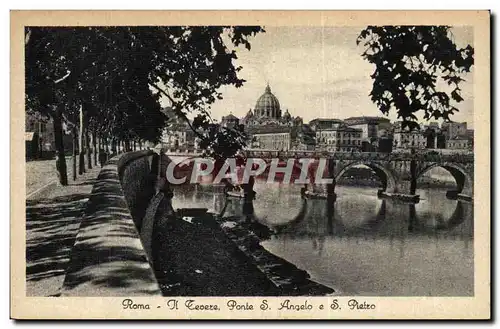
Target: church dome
[{"x": 268, "y": 105}]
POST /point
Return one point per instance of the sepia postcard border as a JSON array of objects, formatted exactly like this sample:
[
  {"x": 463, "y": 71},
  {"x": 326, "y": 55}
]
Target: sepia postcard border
[{"x": 477, "y": 307}]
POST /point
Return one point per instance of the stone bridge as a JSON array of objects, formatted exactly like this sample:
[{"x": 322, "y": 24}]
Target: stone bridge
[{"x": 398, "y": 172}]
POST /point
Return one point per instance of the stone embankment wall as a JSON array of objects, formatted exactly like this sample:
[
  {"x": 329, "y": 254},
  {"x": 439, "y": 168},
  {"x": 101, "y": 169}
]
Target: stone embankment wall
[{"x": 109, "y": 258}]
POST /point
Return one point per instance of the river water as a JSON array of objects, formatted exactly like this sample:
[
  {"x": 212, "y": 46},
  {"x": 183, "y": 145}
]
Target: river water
[{"x": 364, "y": 245}]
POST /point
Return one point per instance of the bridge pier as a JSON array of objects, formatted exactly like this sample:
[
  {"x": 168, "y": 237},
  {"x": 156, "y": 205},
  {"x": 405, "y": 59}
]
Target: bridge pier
[
  {"x": 458, "y": 195},
  {"x": 326, "y": 190},
  {"x": 219, "y": 198},
  {"x": 403, "y": 191},
  {"x": 248, "y": 197},
  {"x": 464, "y": 197},
  {"x": 467, "y": 192},
  {"x": 411, "y": 198},
  {"x": 461, "y": 196}
]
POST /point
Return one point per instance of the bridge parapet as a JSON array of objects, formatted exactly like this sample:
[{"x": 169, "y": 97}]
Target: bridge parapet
[
  {"x": 348, "y": 156},
  {"x": 365, "y": 156}
]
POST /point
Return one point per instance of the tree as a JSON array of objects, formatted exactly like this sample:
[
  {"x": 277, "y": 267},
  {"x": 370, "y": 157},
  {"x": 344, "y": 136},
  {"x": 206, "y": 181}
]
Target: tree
[
  {"x": 117, "y": 75},
  {"x": 221, "y": 143},
  {"x": 192, "y": 80},
  {"x": 411, "y": 63}
]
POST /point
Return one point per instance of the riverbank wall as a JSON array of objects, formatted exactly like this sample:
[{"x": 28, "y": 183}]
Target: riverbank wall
[
  {"x": 290, "y": 280},
  {"x": 108, "y": 257}
]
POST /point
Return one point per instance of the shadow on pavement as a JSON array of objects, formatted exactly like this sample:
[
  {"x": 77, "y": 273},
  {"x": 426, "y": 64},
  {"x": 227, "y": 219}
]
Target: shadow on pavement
[
  {"x": 108, "y": 252},
  {"x": 51, "y": 226}
]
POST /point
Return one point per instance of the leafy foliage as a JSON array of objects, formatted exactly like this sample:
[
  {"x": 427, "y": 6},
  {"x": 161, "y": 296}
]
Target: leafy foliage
[
  {"x": 221, "y": 143},
  {"x": 410, "y": 62},
  {"x": 119, "y": 74}
]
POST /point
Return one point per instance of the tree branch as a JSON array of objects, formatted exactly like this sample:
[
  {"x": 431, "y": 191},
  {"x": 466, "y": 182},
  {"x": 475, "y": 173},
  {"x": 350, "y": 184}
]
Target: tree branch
[{"x": 182, "y": 115}]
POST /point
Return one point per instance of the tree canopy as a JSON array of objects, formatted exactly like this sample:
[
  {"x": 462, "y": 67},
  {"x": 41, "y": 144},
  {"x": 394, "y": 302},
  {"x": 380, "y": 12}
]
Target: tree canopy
[
  {"x": 410, "y": 64},
  {"x": 117, "y": 76}
]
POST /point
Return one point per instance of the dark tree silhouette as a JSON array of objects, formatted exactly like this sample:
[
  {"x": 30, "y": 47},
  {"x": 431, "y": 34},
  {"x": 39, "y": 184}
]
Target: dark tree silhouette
[
  {"x": 410, "y": 61},
  {"x": 115, "y": 77}
]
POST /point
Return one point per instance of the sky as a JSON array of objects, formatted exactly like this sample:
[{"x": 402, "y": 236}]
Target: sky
[{"x": 316, "y": 72}]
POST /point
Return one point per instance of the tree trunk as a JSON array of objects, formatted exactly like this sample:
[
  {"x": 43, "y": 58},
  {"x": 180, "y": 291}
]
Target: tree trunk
[
  {"x": 135, "y": 146},
  {"x": 75, "y": 143},
  {"x": 60, "y": 159},
  {"x": 81, "y": 147},
  {"x": 94, "y": 142},
  {"x": 106, "y": 144},
  {"x": 140, "y": 145},
  {"x": 99, "y": 148},
  {"x": 127, "y": 145},
  {"x": 88, "y": 143},
  {"x": 413, "y": 171}
]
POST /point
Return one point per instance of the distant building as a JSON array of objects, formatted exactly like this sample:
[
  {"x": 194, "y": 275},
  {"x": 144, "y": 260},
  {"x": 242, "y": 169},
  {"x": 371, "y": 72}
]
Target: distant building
[
  {"x": 458, "y": 143},
  {"x": 453, "y": 129},
  {"x": 175, "y": 137},
  {"x": 370, "y": 126},
  {"x": 230, "y": 121},
  {"x": 40, "y": 138},
  {"x": 177, "y": 133},
  {"x": 470, "y": 136},
  {"x": 40, "y": 133},
  {"x": 406, "y": 139},
  {"x": 434, "y": 126},
  {"x": 320, "y": 124},
  {"x": 305, "y": 139},
  {"x": 272, "y": 138},
  {"x": 342, "y": 138}
]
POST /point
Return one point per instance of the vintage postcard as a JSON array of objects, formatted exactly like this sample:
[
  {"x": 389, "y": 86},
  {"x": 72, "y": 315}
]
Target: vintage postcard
[{"x": 250, "y": 165}]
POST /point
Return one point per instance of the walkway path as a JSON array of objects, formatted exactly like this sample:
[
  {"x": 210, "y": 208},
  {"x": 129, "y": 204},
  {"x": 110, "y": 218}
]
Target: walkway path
[{"x": 52, "y": 221}]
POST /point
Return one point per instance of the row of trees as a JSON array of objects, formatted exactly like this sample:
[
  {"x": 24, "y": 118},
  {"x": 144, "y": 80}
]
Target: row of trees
[{"x": 105, "y": 83}]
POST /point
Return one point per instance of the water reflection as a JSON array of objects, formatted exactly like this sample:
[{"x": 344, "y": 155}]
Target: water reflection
[
  {"x": 361, "y": 244},
  {"x": 192, "y": 196},
  {"x": 356, "y": 211}
]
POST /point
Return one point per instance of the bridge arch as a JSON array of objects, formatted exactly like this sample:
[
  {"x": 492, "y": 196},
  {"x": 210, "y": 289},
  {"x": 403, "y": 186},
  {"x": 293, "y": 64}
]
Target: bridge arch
[
  {"x": 386, "y": 176},
  {"x": 462, "y": 177}
]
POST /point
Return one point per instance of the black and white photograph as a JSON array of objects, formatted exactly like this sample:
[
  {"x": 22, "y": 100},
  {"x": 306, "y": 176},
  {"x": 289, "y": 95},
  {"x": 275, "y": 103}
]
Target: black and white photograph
[{"x": 308, "y": 171}]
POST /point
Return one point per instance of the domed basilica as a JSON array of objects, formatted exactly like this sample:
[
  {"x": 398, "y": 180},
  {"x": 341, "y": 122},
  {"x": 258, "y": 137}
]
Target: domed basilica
[
  {"x": 271, "y": 129},
  {"x": 267, "y": 111}
]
